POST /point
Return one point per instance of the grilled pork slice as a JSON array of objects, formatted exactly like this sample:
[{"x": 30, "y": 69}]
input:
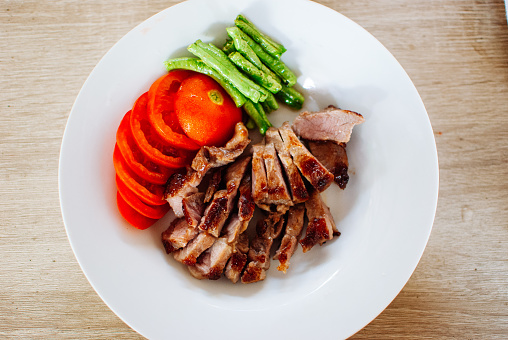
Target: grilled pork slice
[
  {"x": 213, "y": 184},
  {"x": 178, "y": 234},
  {"x": 321, "y": 227},
  {"x": 329, "y": 124},
  {"x": 318, "y": 176},
  {"x": 278, "y": 193},
  {"x": 213, "y": 157},
  {"x": 220, "y": 207},
  {"x": 246, "y": 203},
  {"x": 180, "y": 186},
  {"x": 211, "y": 263},
  {"x": 294, "y": 227},
  {"x": 190, "y": 253},
  {"x": 334, "y": 157},
  {"x": 299, "y": 193},
  {"x": 259, "y": 181},
  {"x": 193, "y": 208},
  {"x": 267, "y": 230},
  {"x": 233, "y": 229},
  {"x": 238, "y": 259}
]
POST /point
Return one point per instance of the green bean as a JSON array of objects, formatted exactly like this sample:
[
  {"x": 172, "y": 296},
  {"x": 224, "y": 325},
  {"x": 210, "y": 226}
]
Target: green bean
[
  {"x": 229, "y": 46},
  {"x": 256, "y": 74},
  {"x": 197, "y": 65},
  {"x": 271, "y": 102},
  {"x": 258, "y": 116},
  {"x": 271, "y": 47},
  {"x": 251, "y": 124},
  {"x": 226, "y": 68},
  {"x": 291, "y": 97},
  {"x": 272, "y": 63}
]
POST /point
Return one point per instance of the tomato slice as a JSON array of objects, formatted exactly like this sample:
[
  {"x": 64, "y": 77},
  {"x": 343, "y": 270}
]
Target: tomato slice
[
  {"x": 149, "y": 141},
  {"x": 161, "y": 109},
  {"x": 205, "y": 111},
  {"x": 137, "y": 161},
  {"x": 151, "y": 211},
  {"x": 132, "y": 216},
  {"x": 148, "y": 192}
]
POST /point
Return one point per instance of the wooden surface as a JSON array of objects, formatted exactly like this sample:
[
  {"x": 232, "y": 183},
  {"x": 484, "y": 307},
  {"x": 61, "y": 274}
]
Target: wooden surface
[{"x": 456, "y": 52}]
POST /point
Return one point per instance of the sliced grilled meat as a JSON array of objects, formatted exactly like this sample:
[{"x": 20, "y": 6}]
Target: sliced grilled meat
[
  {"x": 190, "y": 253},
  {"x": 278, "y": 193},
  {"x": 193, "y": 208},
  {"x": 178, "y": 234},
  {"x": 294, "y": 227},
  {"x": 267, "y": 230},
  {"x": 213, "y": 157},
  {"x": 238, "y": 259},
  {"x": 321, "y": 227},
  {"x": 334, "y": 157},
  {"x": 299, "y": 193},
  {"x": 259, "y": 181},
  {"x": 246, "y": 203},
  {"x": 180, "y": 186},
  {"x": 329, "y": 124},
  {"x": 220, "y": 207},
  {"x": 233, "y": 229},
  {"x": 317, "y": 175},
  {"x": 212, "y": 262},
  {"x": 213, "y": 184}
]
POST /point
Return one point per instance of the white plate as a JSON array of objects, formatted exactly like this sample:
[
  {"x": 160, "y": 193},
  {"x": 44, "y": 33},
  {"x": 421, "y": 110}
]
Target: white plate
[{"x": 385, "y": 214}]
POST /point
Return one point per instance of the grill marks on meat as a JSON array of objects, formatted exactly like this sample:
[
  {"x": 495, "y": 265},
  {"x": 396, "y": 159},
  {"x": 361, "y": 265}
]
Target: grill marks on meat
[
  {"x": 334, "y": 157},
  {"x": 317, "y": 175},
  {"x": 209, "y": 235},
  {"x": 259, "y": 180},
  {"x": 178, "y": 234},
  {"x": 179, "y": 187},
  {"x": 190, "y": 253},
  {"x": 208, "y": 157},
  {"x": 213, "y": 157},
  {"x": 211, "y": 263},
  {"x": 329, "y": 124},
  {"x": 298, "y": 191},
  {"x": 267, "y": 230},
  {"x": 238, "y": 259},
  {"x": 246, "y": 203},
  {"x": 294, "y": 227},
  {"x": 220, "y": 207},
  {"x": 321, "y": 226},
  {"x": 278, "y": 193}
]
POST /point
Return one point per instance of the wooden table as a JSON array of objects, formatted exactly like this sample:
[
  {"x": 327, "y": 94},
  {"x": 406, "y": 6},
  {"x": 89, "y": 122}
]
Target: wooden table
[{"x": 455, "y": 51}]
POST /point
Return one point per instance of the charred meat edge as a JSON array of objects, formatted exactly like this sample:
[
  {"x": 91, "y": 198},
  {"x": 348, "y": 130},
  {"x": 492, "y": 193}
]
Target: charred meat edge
[
  {"x": 299, "y": 193},
  {"x": 334, "y": 157},
  {"x": 321, "y": 226},
  {"x": 317, "y": 175},
  {"x": 294, "y": 227}
]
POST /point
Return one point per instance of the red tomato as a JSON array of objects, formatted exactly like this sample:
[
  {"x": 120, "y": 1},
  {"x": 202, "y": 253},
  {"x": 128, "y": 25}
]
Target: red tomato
[
  {"x": 161, "y": 110},
  {"x": 205, "y": 111},
  {"x": 137, "y": 161},
  {"x": 132, "y": 216},
  {"x": 149, "y": 141},
  {"x": 148, "y": 192},
  {"x": 156, "y": 212}
]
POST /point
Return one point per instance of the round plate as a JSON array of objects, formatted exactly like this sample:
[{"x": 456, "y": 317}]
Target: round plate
[{"x": 385, "y": 214}]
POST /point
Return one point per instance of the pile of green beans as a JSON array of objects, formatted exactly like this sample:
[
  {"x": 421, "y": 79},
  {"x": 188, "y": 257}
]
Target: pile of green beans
[{"x": 249, "y": 68}]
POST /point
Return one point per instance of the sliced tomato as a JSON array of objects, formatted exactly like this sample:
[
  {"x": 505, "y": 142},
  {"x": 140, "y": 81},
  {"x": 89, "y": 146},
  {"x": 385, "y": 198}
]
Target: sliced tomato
[
  {"x": 132, "y": 216},
  {"x": 148, "y": 192},
  {"x": 150, "y": 143},
  {"x": 161, "y": 109},
  {"x": 137, "y": 161},
  {"x": 151, "y": 211},
  {"x": 206, "y": 113}
]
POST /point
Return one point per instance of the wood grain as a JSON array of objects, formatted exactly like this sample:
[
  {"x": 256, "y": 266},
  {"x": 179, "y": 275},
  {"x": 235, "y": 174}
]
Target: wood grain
[{"x": 456, "y": 53}]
